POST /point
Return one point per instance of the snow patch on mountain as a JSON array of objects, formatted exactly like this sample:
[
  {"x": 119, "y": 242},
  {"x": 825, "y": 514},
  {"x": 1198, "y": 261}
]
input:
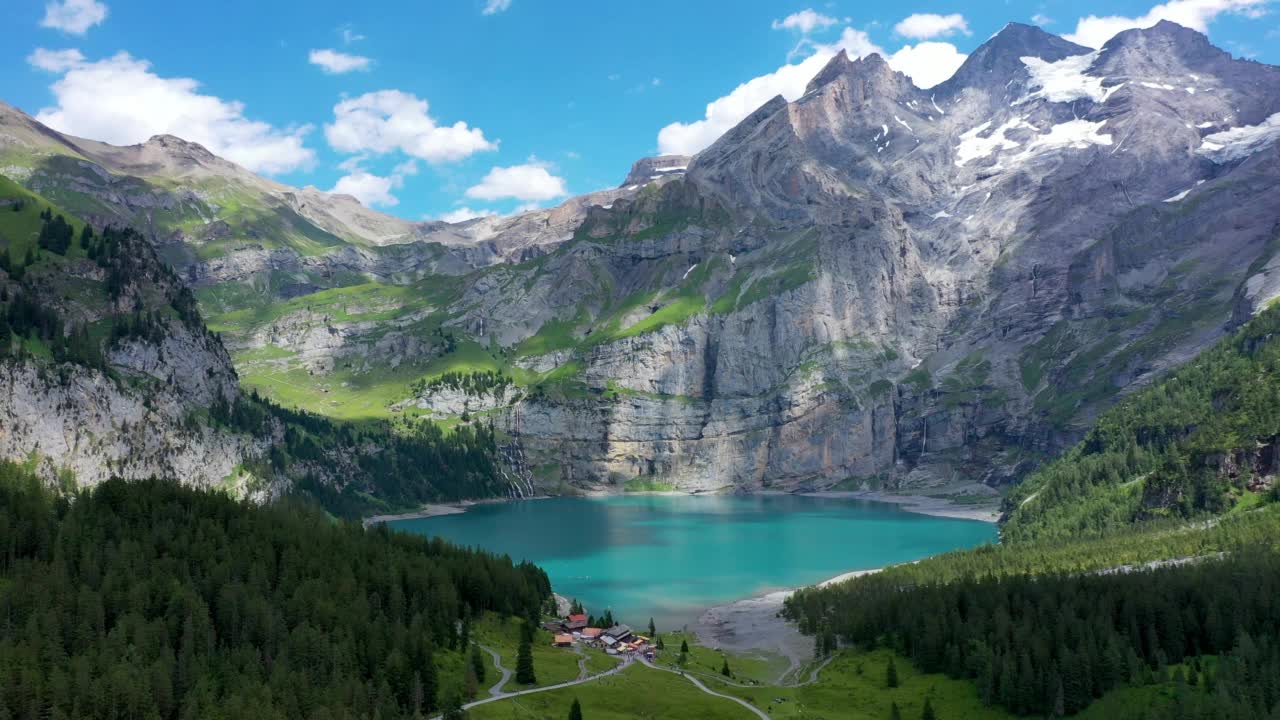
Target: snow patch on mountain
[
  {"x": 1065, "y": 80},
  {"x": 973, "y": 146},
  {"x": 1241, "y": 142},
  {"x": 1184, "y": 193}
]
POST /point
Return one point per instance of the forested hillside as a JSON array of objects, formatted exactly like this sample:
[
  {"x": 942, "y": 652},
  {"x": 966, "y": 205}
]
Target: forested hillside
[
  {"x": 1148, "y": 551},
  {"x": 1204, "y": 440},
  {"x": 148, "y": 599},
  {"x": 108, "y": 370}
]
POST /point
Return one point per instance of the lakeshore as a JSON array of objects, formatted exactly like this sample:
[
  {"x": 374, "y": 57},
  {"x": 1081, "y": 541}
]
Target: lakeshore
[
  {"x": 755, "y": 625},
  {"x": 439, "y": 509},
  {"x": 919, "y": 504}
]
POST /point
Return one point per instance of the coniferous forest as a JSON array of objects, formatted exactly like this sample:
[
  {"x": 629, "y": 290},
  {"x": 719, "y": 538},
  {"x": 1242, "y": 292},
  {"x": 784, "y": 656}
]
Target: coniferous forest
[
  {"x": 152, "y": 600},
  {"x": 1050, "y": 645},
  {"x": 1147, "y": 552}
]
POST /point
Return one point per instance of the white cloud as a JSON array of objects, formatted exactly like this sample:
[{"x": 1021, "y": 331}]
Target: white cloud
[
  {"x": 925, "y": 26},
  {"x": 493, "y": 7},
  {"x": 120, "y": 100},
  {"x": 1041, "y": 19},
  {"x": 388, "y": 120},
  {"x": 464, "y": 214},
  {"x": 332, "y": 61},
  {"x": 55, "y": 61},
  {"x": 73, "y": 16},
  {"x": 806, "y": 21},
  {"x": 926, "y": 63},
  {"x": 1094, "y": 31},
  {"x": 531, "y": 182},
  {"x": 372, "y": 189}
]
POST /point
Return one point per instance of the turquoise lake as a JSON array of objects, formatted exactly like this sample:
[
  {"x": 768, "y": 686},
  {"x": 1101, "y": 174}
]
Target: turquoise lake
[{"x": 670, "y": 557}]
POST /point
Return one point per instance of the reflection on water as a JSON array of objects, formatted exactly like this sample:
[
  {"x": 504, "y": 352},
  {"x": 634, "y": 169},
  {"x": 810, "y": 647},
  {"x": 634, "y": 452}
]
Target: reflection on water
[{"x": 670, "y": 556}]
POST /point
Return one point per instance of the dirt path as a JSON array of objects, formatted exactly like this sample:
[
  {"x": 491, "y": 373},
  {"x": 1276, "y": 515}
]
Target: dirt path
[
  {"x": 496, "y": 690},
  {"x": 582, "y": 662},
  {"x": 508, "y": 695},
  {"x": 698, "y": 684},
  {"x": 497, "y": 694},
  {"x": 813, "y": 677}
]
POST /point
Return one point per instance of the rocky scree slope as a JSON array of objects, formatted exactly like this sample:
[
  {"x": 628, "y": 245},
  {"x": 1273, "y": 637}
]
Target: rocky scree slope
[{"x": 872, "y": 286}]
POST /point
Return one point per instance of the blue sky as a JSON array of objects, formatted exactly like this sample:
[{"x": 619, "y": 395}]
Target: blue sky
[{"x": 443, "y": 108}]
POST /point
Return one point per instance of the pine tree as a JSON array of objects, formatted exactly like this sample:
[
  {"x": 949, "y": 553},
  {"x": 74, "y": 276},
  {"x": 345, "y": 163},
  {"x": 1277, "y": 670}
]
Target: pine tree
[
  {"x": 575, "y": 710},
  {"x": 477, "y": 663},
  {"x": 684, "y": 647},
  {"x": 891, "y": 675},
  {"x": 524, "y": 663},
  {"x": 894, "y": 712},
  {"x": 661, "y": 645},
  {"x": 928, "y": 713},
  {"x": 652, "y": 629},
  {"x": 724, "y": 669}
]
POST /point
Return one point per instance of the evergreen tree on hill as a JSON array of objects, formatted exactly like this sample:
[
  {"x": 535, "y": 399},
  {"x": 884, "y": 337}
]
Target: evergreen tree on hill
[{"x": 525, "y": 674}]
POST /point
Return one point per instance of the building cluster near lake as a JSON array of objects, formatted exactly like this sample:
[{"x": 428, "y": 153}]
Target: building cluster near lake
[{"x": 617, "y": 639}]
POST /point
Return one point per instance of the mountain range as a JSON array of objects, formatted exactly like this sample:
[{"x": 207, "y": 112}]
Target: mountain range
[{"x": 873, "y": 286}]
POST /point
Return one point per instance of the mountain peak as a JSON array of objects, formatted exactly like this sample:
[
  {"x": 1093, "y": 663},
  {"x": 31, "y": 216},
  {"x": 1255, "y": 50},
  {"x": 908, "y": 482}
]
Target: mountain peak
[
  {"x": 1162, "y": 49},
  {"x": 871, "y": 67},
  {"x": 173, "y": 143},
  {"x": 999, "y": 59},
  {"x": 1164, "y": 32}
]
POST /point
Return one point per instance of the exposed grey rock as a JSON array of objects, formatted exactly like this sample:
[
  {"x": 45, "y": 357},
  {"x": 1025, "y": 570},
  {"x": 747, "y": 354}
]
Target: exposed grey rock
[
  {"x": 646, "y": 170},
  {"x": 894, "y": 286}
]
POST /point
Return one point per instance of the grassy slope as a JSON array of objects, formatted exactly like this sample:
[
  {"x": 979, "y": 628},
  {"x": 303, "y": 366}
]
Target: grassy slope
[
  {"x": 19, "y": 228},
  {"x": 637, "y": 692},
  {"x": 551, "y": 665},
  {"x": 851, "y": 687},
  {"x": 762, "y": 668}
]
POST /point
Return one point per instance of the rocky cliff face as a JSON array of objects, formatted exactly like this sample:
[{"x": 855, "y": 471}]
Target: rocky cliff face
[
  {"x": 83, "y": 424},
  {"x": 985, "y": 265},
  {"x": 874, "y": 285},
  {"x": 106, "y": 370},
  {"x": 647, "y": 170}
]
